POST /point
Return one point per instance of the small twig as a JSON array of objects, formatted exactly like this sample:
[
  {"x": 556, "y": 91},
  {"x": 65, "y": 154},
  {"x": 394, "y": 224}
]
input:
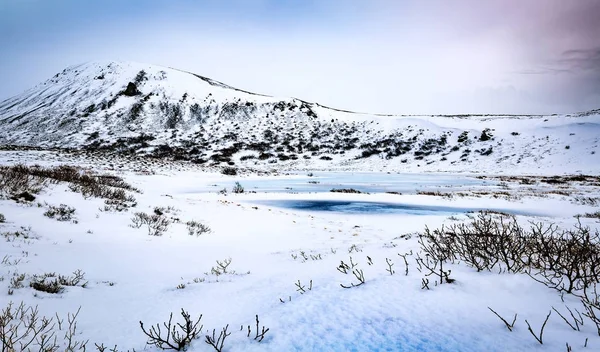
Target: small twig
[
  {"x": 217, "y": 342},
  {"x": 406, "y": 261},
  {"x": 343, "y": 268},
  {"x": 260, "y": 336},
  {"x": 390, "y": 265},
  {"x": 540, "y": 338},
  {"x": 360, "y": 276},
  {"x": 300, "y": 288},
  {"x": 576, "y": 327},
  {"x": 508, "y": 326}
]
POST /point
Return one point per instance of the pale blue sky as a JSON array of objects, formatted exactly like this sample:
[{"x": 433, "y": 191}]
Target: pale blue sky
[{"x": 463, "y": 56}]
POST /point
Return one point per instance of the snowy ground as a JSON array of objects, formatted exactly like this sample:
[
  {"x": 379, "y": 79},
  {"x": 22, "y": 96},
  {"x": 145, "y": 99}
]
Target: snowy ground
[{"x": 133, "y": 276}]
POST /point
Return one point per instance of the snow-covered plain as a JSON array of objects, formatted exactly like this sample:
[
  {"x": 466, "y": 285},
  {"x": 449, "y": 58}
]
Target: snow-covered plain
[
  {"x": 133, "y": 276},
  {"x": 171, "y": 134}
]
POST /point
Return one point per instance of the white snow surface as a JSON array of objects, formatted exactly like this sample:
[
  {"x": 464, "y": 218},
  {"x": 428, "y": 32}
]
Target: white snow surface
[{"x": 133, "y": 276}]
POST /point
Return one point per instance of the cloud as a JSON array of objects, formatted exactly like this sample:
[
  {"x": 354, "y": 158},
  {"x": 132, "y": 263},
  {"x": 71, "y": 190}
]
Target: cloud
[
  {"x": 377, "y": 56},
  {"x": 581, "y": 59}
]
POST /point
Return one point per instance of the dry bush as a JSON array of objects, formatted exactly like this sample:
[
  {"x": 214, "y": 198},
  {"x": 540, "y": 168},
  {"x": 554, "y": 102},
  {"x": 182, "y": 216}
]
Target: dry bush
[
  {"x": 52, "y": 283},
  {"x": 230, "y": 171},
  {"x": 23, "y": 329},
  {"x": 565, "y": 260},
  {"x": 19, "y": 178},
  {"x": 16, "y": 180},
  {"x": 177, "y": 336},
  {"x": 60, "y": 213},
  {"x": 237, "y": 188},
  {"x": 345, "y": 190},
  {"x": 436, "y": 193},
  {"x": 157, "y": 224},
  {"x": 23, "y": 234},
  {"x": 595, "y": 215},
  {"x": 114, "y": 205},
  {"x": 196, "y": 228}
]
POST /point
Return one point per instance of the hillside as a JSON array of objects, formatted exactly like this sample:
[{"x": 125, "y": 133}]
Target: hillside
[{"x": 139, "y": 109}]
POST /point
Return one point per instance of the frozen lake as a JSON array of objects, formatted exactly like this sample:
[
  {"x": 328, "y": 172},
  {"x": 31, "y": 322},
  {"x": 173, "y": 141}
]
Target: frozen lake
[
  {"x": 365, "y": 207},
  {"x": 363, "y": 182}
]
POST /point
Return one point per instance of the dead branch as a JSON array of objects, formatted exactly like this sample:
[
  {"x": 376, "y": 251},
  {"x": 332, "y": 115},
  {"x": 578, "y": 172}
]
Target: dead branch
[
  {"x": 541, "y": 336},
  {"x": 508, "y": 326}
]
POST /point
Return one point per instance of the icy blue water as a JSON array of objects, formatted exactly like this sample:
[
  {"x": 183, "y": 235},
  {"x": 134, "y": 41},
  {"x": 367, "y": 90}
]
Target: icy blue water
[
  {"x": 364, "y": 182},
  {"x": 359, "y": 207}
]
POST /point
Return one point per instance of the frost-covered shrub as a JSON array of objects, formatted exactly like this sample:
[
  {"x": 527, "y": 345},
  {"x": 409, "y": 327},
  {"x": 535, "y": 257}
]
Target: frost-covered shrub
[
  {"x": 196, "y": 228},
  {"x": 52, "y": 283},
  {"x": 237, "y": 188},
  {"x": 61, "y": 213},
  {"x": 46, "y": 283}
]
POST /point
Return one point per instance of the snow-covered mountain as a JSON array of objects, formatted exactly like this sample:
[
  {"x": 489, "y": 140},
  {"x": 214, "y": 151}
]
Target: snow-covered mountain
[{"x": 150, "y": 110}]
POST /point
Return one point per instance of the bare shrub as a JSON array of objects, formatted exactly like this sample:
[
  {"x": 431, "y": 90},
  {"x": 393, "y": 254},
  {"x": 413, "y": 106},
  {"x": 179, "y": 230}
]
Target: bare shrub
[
  {"x": 177, "y": 336},
  {"x": 595, "y": 215},
  {"x": 52, "y": 283},
  {"x": 23, "y": 234},
  {"x": 568, "y": 260},
  {"x": 157, "y": 224},
  {"x": 196, "y": 228},
  {"x": 15, "y": 180},
  {"x": 221, "y": 267},
  {"x": 60, "y": 213},
  {"x": 16, "y": 281},
  {"x": 237, "y": 188},
  {"x": 114, "y": 205},
  {"x": 345, "y": 190},
  {"x": 23, "y": 329},
  {"x": 230, "y": 171},
  {"x": 435, "y": 193},
  {"x": 217, "y": 342},
  {"x": 46, "y": 283},
  {"x": 18, "y": 179}
]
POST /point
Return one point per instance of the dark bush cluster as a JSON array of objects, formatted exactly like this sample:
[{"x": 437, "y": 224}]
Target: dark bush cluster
[
  {"x": 21, "y": 179},
  {"x": 16, "y": 180},
  {"x": 230, "y": 171},
  {"x": 52, "y": 283},
  {"x": 565, "y": 260},
  {"x": 62, "y": 212},
  {"x": 196, "y": 228},
  {"x": 345, "y": 190}
]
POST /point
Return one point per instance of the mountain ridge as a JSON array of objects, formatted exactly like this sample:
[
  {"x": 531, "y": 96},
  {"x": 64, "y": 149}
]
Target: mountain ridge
[{"x": 150, "y": 110}]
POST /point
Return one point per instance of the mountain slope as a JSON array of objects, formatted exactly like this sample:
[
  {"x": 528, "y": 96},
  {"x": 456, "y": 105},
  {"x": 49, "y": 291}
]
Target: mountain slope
[{"x": 149, "y": 110}]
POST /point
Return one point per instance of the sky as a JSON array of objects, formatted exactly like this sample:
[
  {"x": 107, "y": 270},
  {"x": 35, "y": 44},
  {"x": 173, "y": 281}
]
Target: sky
[{"x": 379, "y": 56}]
